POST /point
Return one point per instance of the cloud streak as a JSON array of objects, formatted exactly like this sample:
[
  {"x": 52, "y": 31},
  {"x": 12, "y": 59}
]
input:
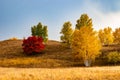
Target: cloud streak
[{"x": 100, "y": 18}]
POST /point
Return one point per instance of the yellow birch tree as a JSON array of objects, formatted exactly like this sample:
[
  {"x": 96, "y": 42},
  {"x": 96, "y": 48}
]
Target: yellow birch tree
[
  {"x": 85, "y": 44},
  {"x": 116, "y": 35},
  {"x": 106, "y": 36}
]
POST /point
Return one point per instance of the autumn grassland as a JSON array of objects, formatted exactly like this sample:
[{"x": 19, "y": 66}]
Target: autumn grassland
[
  {"x": 78, "y": 73},
  {"x": 54, "y": 63}
]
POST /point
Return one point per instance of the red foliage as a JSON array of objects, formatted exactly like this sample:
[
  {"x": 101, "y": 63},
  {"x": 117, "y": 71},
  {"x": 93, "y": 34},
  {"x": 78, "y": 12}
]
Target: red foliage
[{"x": 33, "y": 45}]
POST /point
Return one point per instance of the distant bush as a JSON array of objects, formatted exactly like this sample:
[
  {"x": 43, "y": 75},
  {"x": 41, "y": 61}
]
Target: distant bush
[
  {"x": 113, "y": 57},
  {"x": 13, "y": 38},
  {"x": 33, "y": 45}
]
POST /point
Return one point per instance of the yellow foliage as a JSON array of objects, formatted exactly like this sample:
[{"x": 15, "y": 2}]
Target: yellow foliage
[
  {"x": 85, "y": 43},
  {"x": 116, "y": 35},
  {"x": 106, "y": 36},
  {"x": 101, "y": 36}
]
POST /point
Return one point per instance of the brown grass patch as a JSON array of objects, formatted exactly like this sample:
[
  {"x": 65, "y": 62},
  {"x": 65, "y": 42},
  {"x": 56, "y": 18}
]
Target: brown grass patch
[
  {"x": 54, "y": 55},
  {"x": 81, "y": 73},
  {"x": 59, "y": 61}
]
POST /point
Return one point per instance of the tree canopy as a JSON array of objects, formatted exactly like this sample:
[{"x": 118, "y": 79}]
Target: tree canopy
[
  {"x": 40, "y": 31},
  {"x": 84, "y": 20},
  {"x": 106, "y": 36},
  {"x": 66, "y": 32},
  {"x": 85, "y": 42},
  {"x": 116, "y": 35}
]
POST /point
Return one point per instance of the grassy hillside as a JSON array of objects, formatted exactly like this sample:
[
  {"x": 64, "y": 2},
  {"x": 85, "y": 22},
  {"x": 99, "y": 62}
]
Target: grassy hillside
[
  {"x": 54, "y": 55},
  {"x": 54, "y": 63},
  {"x": 11, "y": 55}
]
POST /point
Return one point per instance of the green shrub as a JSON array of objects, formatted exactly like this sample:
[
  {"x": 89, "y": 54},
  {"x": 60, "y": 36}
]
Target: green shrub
[{"x": 113, "y": 57}]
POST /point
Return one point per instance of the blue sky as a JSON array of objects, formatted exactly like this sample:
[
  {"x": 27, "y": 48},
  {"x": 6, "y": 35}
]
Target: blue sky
[{"x": 17, "y": 16}]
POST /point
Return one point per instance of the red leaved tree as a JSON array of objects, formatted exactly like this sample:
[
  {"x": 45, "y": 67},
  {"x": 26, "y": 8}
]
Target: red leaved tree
[{"x": 33, "y": 45}]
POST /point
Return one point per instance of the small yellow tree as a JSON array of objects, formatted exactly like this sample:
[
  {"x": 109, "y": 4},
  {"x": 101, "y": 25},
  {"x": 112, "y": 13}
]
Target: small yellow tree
[
  {"x": 106, "y": 36},
  {"x": 66, "y": 34},
  {"x": 101, "y": 36},
  {"x": 85, "y": 42},
  {"x": 116, "y": 35}
]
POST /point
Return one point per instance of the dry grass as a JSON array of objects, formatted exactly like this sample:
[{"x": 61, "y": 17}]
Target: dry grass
[
  {"x": 92, "y": 73},
  {"x": 54, "y": 63},
  {"x": 54, "y": 55}
]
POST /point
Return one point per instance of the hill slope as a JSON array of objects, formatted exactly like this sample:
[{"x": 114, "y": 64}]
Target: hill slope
[{"x": 54, "y": 55}]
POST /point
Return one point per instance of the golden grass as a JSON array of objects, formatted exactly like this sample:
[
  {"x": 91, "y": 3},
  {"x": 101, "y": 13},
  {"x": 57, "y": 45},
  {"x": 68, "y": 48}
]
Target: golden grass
[
  {"x": 50, "y": 65},
  {"x": 78, "y": 73},
  {"x": 11, "y": 55}
]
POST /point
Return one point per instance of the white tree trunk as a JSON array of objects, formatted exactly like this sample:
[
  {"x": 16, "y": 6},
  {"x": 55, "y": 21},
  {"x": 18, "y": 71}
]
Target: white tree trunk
[{"x": 87, "y": 62}]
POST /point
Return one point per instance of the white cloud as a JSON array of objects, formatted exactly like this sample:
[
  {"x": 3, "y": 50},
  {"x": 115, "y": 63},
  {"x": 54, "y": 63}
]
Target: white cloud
[
  {"x": 109, "y": 19},
  {"x": 94, "y": 11},
  {"x": 100, "y": 18}
]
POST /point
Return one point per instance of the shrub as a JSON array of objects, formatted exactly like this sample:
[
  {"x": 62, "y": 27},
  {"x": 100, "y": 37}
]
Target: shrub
[
  {"x": 33, "y": 45},
  {"x": 113, "y": 57},
  {"x": 13, "y": 38}
]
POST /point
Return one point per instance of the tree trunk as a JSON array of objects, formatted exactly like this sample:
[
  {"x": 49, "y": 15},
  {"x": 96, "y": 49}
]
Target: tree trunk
[{"x": 87, "y": 62}]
